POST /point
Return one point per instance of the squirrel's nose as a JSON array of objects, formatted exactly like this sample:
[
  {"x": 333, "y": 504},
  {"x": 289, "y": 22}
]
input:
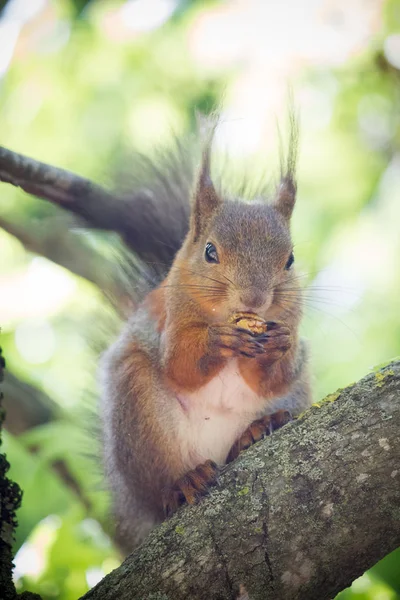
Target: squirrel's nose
[{"x": 252, "y": 298}]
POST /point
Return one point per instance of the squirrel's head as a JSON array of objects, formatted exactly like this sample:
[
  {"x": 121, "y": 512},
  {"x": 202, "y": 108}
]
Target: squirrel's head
[{"x": 238, "y": 256}]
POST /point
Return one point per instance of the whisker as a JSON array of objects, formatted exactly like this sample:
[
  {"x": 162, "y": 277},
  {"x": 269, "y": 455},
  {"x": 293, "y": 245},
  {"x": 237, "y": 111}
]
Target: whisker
[
  {"x": 309, "y": 298},
  {"x": 308, "y": 288},
  {"x": 302, "y": 294},
  {"x": 208, "y": 296},
  {"x": 222, "y": 283},
  {"x": 324, "y": 312},
  {"x": 229, "y": 280},
  {"x": 199, "y": 274},
  {"x": 192, "y": 286}
]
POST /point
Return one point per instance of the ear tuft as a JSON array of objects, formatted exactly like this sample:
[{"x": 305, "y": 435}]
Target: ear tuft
[
  {"x": 286, "y": 193},
  {"x": 206, "y": 199}
]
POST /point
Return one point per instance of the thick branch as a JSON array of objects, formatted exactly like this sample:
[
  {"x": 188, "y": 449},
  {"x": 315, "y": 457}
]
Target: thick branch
[
  {"x": 136, "y": 216},
  {"x": 72, "y": 192},
  {"x": 298, "y": 516},
  {"x": 61, "y": 187}
]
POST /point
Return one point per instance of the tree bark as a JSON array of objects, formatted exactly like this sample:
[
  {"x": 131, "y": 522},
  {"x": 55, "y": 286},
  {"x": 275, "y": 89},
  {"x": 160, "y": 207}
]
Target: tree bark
[
  {"x": 107, "y": 210},
  {"x": 74, "y": 193},
  {"x": 300, "y": 515},
  {"x": 100, "y": 208},
  {"x": 10, "y": 499}
]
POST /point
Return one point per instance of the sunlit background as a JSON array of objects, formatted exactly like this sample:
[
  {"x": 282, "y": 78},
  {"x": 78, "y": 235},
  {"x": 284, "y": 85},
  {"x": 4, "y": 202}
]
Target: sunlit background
[{"x": 83, "y": 82}]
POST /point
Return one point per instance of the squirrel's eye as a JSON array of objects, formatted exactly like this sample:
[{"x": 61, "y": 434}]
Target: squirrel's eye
[
  {"x": 211, "y": 254},
  {"x": 290, "y": 261}
]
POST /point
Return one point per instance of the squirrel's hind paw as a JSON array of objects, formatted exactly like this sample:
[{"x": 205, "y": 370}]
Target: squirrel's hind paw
[
  {"x": 190, "y": 488},
  {"x": 258, "y": 430}
]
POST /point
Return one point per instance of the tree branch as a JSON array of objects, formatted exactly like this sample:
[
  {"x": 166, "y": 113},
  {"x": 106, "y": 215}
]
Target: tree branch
[
  {"x": 298, "y": 516},
  {"x": 26, "y": 406},
  {"x": 67, "y": 190},
  {"x": 135, "y": 216},
  {"x": 56, "y": 185},
  {"x": 53, "y": 240}
]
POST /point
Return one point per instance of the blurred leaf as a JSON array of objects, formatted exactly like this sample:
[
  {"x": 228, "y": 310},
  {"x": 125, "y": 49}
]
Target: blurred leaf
[
  {"x": 80, "y": 5},
  {"x": 368, "y": 587},
  {"x": 34, "y": 477},
  {"x": 388, "y": 570},
  {"x": 79, "y": 450},
  {"x": 391, "y": 13},
  {"x": 3, "y": 4},
  {"x": 69, "y": 552}
]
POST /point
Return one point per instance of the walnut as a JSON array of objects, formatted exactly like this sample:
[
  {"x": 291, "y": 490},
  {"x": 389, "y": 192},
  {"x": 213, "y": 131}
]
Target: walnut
[{"x": 250, "y": 321}]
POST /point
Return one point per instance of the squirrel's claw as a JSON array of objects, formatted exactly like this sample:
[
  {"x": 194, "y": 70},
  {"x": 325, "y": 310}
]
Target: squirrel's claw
[
  {"x": 258, "y": 430},
  {"x": 276, "y": 342},
  {"x": 190, "y": 488},
  {"x": 236, "y": 341}
]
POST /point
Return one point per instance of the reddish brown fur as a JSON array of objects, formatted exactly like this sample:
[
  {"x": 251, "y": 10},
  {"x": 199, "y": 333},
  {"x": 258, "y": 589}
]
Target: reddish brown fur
[
  {"x": 190, "y": 487},
  {"x": 155, "y": 302}
]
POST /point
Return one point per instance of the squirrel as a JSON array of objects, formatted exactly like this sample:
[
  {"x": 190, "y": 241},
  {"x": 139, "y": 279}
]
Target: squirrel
[{"x": 185, "y": 388}]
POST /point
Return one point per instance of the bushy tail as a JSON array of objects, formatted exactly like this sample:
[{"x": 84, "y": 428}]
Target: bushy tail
[{"x": 156, "y": 217}]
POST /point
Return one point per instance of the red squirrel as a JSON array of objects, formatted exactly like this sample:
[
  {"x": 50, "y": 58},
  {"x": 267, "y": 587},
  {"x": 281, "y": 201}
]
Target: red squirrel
[{"x": 185, "y": 388}]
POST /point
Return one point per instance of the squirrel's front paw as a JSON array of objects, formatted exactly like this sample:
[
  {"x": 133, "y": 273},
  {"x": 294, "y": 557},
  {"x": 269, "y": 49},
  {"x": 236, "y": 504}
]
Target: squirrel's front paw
[
  {"x": 190, "y": 487},
  {"x": 230, "y": 340},
  {"x": 258, "y": 430},
  {"x": 276, "y": 342}
]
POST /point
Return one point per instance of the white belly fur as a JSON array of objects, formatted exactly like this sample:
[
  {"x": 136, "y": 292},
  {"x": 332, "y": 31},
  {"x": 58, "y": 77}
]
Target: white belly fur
[{"x": 213, "y": 417}]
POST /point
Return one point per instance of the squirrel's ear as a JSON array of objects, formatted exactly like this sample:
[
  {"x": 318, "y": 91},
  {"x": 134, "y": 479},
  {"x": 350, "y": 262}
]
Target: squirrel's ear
[
  {"x": 206, "y": 199},
  {"x": 286, "y": 196}
]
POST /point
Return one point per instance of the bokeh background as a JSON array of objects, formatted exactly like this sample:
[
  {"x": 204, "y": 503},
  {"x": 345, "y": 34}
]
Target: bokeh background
[{"x": 83, "y": 82}]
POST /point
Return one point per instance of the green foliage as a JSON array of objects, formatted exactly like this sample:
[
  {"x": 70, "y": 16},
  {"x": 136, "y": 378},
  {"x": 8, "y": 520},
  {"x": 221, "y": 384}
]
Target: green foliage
[
  {"x": 79, "y": 6},
  {"x": 382, "y": 582},
  {"x": 3, "y": 4},
  {"x": 82, "y": 95},
  {"x": 388, "y": 571}
]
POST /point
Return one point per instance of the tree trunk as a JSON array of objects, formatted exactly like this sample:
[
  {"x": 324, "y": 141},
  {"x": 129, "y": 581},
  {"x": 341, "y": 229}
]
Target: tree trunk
[{"x": 10, "y": 499}]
